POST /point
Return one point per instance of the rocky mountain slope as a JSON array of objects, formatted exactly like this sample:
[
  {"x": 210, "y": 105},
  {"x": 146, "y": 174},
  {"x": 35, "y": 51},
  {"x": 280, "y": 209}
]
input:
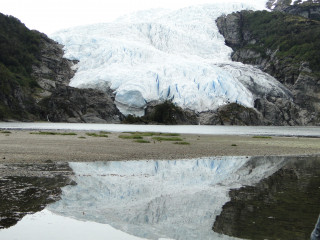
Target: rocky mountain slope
[
  {"x": 35, "y": 77},
  {"x": 286, "y": 46}
]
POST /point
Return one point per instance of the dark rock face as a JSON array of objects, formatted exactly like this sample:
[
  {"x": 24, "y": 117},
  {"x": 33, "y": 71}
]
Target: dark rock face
[
  {"x": 52, "y": 69},
  {"x": 67, "y": 104},
  {"x": 230, "y": 28},
  {"x": 232, "y": 114},
  {"x": 18, "y": 102},
  {"x": 283, "y": 206},
  {"x": 309, "y": 9},
  {"x": 26, "y": 189},
  {"x": 164, "y": 113},
  {"x": 168, "y": 113},
  {"x": 298, "y": 77},
  {"x": 306, "y": 11},
  {"x": 61, "y": 103}
]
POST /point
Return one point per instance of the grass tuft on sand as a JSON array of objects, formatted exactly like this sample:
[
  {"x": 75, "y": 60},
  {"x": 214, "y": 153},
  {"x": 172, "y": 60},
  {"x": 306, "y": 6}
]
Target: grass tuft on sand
[
  {"x": 5, "y": 132},
  {"x": 263, "y": 137},
  {"x": 174, "y": 139},
  {"x": 130, "y": 136},
  {"x": 97, "y": 135},
  {"x": 141, "y": 141}
]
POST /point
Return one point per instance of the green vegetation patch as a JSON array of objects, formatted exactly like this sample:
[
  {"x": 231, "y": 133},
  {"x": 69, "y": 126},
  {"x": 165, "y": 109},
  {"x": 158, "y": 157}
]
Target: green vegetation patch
[
  {"x": 170, "y": 134},
  {"x": 5, "y": 132},
  {"x": 141, "y": 141},
  {"x": 144, "y": 134},
  {"x": 97, "y": 135},
  {"x": 175, "y": 139},
  {"x": 55, "y": 133},
  {"x": 130, "y": 136},
  {"x": 20, "y": 50},
  {"x": 105, "y": 132},
  {"x": 296, "y": 38}
]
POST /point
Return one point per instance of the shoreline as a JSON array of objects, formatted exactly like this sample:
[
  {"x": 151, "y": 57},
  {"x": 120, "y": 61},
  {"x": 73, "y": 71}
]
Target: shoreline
[
  {"x": 290, "y": 131},
  {"x": 19, "y": 146}
]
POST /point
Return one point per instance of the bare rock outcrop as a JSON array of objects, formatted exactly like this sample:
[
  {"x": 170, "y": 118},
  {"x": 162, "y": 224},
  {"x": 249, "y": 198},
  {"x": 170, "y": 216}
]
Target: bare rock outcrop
[{"x": 297, "y": 76}]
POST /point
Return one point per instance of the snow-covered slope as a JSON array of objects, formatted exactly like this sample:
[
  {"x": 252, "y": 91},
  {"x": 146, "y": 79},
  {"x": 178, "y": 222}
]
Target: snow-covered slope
[
  {"x": 160, "y": 199},
  {"x": 164, "y": 54}
]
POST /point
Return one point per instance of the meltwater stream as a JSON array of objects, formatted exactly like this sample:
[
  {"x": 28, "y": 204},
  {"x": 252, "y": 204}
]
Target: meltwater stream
[{"x": 159, "y": 199}]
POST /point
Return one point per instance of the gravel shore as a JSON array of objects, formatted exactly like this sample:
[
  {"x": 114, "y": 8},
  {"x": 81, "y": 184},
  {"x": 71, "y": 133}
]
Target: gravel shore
[{"x": 20, "y": 146}]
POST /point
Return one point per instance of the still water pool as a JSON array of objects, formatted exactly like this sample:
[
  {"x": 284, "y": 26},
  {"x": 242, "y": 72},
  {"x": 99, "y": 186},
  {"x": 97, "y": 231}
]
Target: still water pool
[{"x": 144, "y": 199}]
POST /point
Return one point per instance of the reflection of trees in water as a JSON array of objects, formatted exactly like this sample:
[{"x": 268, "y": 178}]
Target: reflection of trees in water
[
  {"x": 29, "y": 188},
  {"x": 283, "y": 206}
]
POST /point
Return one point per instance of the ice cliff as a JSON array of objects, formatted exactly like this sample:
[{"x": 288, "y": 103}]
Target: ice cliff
[{"x": 166, "y": 54}]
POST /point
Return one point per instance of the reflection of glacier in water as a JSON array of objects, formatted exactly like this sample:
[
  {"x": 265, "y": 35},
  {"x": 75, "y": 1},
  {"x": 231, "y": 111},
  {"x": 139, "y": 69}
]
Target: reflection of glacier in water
[{"x": 160, "y": 199}]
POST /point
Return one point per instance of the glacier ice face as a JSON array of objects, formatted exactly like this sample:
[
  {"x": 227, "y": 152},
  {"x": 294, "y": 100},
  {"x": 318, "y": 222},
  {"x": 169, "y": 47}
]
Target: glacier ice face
[
  {"x": 160, "y": 199},
  {"x": 164, "y": 54}
]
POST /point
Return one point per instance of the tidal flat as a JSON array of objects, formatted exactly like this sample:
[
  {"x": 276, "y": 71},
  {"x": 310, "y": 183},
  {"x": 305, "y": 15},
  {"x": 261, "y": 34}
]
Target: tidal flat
[
  {"x": 19, "y": 146},
  {"x": 211, "y": 187}
]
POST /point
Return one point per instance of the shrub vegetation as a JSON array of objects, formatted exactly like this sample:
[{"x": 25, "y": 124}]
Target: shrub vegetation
[
  {"x": 297, "y": 38},
  {"x": 19, "y": 51}
]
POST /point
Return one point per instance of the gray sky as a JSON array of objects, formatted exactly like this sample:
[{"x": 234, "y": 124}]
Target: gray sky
[{"x": 49, "y": 16}]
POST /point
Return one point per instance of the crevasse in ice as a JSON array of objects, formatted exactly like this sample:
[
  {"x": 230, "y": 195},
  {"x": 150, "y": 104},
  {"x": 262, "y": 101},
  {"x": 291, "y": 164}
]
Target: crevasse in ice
[{"x": 165, "y": 54}]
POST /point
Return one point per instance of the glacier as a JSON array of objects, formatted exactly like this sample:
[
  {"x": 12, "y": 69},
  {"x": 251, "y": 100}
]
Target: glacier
[
  {"x": 175, "y": 199},
  {"x": 162, "y": 54}
]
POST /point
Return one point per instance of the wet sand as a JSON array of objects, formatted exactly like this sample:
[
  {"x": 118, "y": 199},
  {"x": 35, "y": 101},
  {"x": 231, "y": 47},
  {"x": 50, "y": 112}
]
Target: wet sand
[{"x": 20, "y": 146}]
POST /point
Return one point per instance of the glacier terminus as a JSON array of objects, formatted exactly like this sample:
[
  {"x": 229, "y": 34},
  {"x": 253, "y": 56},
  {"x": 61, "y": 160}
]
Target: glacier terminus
[{"x": 161, "y": 54}]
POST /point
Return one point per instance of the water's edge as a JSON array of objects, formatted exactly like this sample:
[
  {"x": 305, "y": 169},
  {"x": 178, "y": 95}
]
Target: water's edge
[{"x": 182, "y": 129}]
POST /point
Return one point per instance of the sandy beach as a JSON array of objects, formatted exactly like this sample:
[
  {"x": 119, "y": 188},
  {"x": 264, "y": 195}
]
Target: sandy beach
[{"x": 20, "y": 146}]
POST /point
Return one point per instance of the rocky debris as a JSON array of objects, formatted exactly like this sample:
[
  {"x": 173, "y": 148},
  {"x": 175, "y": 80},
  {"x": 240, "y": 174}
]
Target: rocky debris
[
  {"x": 68, "y": 104},
  {"x": 299, "y": 78},
  {"x": 232, "y": 114},
  {"x": 308, "y": 9},
  {"x": 282, "y": 206},
  {"x": 28, "y": 188},
  {"x": 279, "y": 111},
  {"x": 278, "y": 5}
]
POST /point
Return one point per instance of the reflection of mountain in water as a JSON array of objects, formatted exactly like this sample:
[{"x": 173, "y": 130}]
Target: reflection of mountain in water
[
  {"x": 284, "y": 206},
  {"x": 152, "y": 199},
  {"x": 28, "y": 188}
]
